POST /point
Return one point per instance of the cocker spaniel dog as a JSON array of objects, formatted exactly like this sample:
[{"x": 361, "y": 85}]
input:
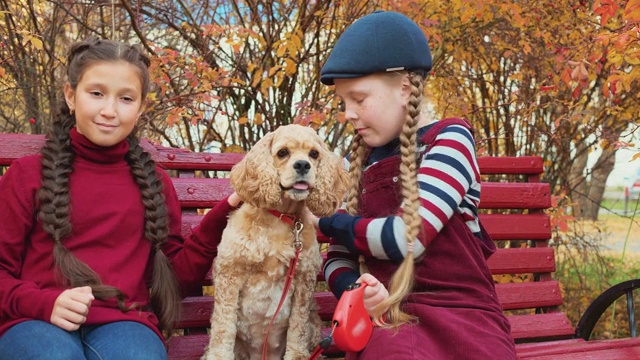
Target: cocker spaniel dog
[{"x": 287, "y": 170}]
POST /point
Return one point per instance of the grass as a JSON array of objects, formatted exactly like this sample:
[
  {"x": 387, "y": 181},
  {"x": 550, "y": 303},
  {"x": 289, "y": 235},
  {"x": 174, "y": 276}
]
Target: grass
[
  {"x": 593, "y": 257},
  {"x": 582, "y": 284}
]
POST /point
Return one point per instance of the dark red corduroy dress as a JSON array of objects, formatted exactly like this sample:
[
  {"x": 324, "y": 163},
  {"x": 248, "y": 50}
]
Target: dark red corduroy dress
[{"x": 459, "y": 316}]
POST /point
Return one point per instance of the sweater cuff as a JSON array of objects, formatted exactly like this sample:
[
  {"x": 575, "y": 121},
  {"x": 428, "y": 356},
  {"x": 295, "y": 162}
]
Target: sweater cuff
[
  {"x": 40, "y": 306},
  {"x": 340, "y": 227},
  {"x": 216, "y": 219},
  {"x": 342, "y": 281}
]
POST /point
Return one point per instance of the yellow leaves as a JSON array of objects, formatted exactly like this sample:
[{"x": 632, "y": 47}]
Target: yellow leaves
[
  {"x": 632, "y": 58},
  {"x": 265, "y": 85},
  {"x": 632, "y": 11},
  {"x": 238, "y": 81},
  {"x": 290, "y": 67},
  {"x": 291, "y": 45},
  {"x": 3, "y": 73},
  {"x": 273, "y": 70},
  {"x": 257, "y": 120},
  {"x": 256, "y": 77},
  {"x": 512, "y": 278},
  {"x": 35, "y": 41},
  {"x": 233, "y": 148}
]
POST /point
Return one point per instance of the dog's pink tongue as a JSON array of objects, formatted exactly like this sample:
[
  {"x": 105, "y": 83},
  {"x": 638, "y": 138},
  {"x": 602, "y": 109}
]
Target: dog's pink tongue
[{"x": 301, "y": 186}]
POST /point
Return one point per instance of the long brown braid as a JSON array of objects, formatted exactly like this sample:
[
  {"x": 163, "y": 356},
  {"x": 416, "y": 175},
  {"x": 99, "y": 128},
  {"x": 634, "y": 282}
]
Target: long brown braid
[
  {"x": 401, "y": 283},
  {"x": 54, "y": 198}
]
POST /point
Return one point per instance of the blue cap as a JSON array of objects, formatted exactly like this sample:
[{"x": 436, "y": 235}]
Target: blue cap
[{"x": 378, "y": 42}]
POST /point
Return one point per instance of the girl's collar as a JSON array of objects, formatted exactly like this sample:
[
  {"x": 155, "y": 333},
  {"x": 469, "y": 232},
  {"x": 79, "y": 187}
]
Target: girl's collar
[
  {"x": 393, "y": 147},
  {"x": 84, "y": 148}
]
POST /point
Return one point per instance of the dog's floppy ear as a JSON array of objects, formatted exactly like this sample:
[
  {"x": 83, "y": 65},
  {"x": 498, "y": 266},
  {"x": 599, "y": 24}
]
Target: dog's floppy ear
[
  {"x": 255, "y": 178},
  {"x": 332, "y": 181}
]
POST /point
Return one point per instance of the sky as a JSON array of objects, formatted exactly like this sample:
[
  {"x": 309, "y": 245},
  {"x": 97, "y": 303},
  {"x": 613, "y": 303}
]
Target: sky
[{"x": 624, "y": 170}]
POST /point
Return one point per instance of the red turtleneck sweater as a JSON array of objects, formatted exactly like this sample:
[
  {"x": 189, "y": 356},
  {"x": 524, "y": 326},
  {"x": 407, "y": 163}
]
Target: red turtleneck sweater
[{"x": 107, "y": 219}]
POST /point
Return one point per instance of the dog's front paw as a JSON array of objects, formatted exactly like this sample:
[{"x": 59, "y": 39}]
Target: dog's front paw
[
  {"x": 296, "y": 355},
  {"x": 216, "y": 355}
]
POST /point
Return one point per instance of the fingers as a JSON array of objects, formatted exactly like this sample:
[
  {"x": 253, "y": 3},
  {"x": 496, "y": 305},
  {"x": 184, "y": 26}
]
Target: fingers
[
  {"x": 234, "y": 199},
  {"x": 68, "y": 320},
  {"x": 64, "y": 324},
  {"x": 82, "y": 294},
  {"x": 308, "y": 216},
  {"x": 71, "y": 308},
  {"x": 374, "y": 293},
  {"x": 368, "y": 279}
]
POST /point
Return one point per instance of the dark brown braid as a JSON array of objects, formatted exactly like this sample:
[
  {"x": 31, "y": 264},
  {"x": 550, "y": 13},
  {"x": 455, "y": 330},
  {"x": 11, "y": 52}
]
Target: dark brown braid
[
  {"x": 165, "y": 298},
  {"x": 54, "y": 198}
]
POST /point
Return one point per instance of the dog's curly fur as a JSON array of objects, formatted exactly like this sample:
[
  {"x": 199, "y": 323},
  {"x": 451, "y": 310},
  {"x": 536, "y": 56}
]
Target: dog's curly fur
[{"x": 286, "y": 170}]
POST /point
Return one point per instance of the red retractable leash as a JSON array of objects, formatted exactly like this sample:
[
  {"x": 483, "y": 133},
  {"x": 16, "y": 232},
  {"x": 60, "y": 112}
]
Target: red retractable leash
[{"x": 351, "y": 324}]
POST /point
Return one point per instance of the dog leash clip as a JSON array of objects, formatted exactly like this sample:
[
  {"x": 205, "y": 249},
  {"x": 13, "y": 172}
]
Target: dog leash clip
[{"x": 297, "y": 230}]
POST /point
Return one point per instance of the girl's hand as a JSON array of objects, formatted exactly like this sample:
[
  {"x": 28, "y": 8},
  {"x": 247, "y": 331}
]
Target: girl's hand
[
  {"x": 234, "y": 199},
  {"x": 374, "y": 294},
  {"x": 307, "y": 216},
  {"x": 71, "y": 308}
]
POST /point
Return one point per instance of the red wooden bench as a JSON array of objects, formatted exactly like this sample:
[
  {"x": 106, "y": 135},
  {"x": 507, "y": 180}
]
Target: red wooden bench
[{"x": 513, "y": 202}]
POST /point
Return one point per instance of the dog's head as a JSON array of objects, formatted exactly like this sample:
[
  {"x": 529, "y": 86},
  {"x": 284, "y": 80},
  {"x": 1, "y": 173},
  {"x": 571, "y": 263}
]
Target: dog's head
[{"x": 291, "y": 163}]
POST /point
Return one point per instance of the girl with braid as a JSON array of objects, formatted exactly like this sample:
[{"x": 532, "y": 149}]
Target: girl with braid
[
  {"x": 93, "y": 265},
  {"x": 411, "y": 216}
]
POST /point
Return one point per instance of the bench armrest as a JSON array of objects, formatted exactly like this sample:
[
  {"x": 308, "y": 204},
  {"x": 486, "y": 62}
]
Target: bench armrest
[{"x": 601, "y": 304}]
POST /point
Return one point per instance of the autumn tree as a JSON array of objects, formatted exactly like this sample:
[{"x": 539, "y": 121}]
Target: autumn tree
[
  {"x": 535, "y": 78},
  {"x": 556, "y": 79}
]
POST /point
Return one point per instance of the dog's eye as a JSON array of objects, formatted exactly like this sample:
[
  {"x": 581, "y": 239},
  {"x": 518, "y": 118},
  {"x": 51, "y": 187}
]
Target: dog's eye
[
  {"x": 283, "y": 153},
  {"x": 314, "y": 154}
]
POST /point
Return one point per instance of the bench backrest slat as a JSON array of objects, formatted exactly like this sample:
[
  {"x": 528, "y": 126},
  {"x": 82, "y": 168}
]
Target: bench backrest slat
[
  {"x": 527, "y": 165},
  {"x": 205, "y": 193}
]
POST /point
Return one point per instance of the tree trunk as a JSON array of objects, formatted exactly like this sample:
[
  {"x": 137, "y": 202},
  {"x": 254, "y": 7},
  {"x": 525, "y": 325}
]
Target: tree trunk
[
  {"x": 587, "y": 194},
  {"x": 578, "y": 184}
]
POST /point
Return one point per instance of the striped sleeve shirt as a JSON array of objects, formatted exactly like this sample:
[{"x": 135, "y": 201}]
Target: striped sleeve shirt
[{"x": 448, "y": 180}]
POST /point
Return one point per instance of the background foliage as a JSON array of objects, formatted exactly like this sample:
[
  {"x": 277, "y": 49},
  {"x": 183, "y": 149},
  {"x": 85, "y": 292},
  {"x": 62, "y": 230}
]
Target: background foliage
[{"x": 557, "y": 79}]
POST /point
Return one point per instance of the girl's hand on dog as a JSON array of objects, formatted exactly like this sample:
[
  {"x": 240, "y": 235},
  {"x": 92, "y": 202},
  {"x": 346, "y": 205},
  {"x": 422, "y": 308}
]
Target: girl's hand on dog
[
  {"x": 71, "y": 308},
  {"x": 234, "y": 200},
  {"x": 374, "y": 294},
  {"x": 307, "y": 216}
]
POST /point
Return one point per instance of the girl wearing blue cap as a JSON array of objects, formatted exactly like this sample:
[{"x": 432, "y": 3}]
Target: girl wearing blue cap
[{"x": 411, "y": 216}]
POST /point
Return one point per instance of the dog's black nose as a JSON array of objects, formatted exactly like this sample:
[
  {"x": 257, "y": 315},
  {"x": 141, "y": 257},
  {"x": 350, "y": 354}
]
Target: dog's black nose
[{"x": 302, "y": 167}]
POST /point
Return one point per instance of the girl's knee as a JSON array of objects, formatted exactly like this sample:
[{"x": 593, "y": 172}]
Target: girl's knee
[
  {"x": 40, "y": 340},
  {"x": 124, "y": 340}
]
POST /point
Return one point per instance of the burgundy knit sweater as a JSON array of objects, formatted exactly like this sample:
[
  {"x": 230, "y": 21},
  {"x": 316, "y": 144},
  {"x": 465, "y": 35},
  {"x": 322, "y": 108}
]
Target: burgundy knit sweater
[{"x": 107, "y": 219}]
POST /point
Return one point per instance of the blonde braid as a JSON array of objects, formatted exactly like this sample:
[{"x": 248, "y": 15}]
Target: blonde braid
[
  {"x": 358, "y": 152},
  {"x": 402, "y": 281}
]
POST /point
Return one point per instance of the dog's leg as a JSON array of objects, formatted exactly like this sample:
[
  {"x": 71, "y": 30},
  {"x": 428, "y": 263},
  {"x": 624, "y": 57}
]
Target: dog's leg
[
  {"x": 225, "y": 314},
  {"x": 302, "y": 325}
]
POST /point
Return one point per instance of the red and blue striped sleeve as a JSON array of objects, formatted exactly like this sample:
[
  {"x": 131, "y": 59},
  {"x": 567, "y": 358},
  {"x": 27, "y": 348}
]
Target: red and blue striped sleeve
[{"x": 448, "y": 180}]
